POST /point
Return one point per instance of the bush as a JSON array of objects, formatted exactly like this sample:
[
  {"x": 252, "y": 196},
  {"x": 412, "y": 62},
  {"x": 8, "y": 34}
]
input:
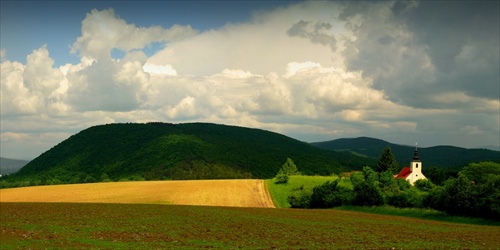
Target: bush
[
  {"x": 407, "y": 198},
  {"x": 386, "y": 179},
  {"x": 356, "y": 178},
  {"x": 367, "y": 195},
  {"x": 489, "y": 198},
  {"x": 281, "y": 178},
  {"x": 424, "y": 185},
  {"x": 433, "y": 198},
  {"x": 403, "y": 184},
  {"x": 299, "y": 200},
  {"x": 331, "y": 194}
]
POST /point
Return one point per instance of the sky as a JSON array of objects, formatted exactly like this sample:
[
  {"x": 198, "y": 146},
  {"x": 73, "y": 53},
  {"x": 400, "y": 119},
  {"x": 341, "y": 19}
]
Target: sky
[{"x": 401, "y": 71}]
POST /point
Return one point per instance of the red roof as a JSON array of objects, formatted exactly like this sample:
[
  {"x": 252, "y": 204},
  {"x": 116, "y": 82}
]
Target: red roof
[{"x": 405, "y": 172}]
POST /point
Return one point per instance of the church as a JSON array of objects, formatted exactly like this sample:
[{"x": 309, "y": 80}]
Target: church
[{"x": 414, "y": 171}]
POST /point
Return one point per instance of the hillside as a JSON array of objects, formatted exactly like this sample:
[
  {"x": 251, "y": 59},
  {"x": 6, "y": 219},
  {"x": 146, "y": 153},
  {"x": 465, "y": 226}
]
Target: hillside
[
  {"x": 438, "y": 156},
  {"x": 9, "y": 166},
  {"x": 178, "y": 151}
]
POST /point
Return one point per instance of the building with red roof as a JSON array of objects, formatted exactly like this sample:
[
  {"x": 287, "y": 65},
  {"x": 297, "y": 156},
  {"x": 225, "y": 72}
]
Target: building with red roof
[{"x": 414, "y": 171}]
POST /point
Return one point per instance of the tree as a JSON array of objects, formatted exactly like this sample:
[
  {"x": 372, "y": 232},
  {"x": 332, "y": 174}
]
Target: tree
[
  {"x": 285, "y": 171},
  {"x": 289, "y": 168},
  {"x": 387, "y": 161},
  {"x": 479, "y": 172},
  {"x": 367, "y": 192},
  {"x": 460, "y": 196}
]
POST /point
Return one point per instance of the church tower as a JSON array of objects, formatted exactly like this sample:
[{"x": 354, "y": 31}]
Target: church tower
[{"x": 415, "y": 168}]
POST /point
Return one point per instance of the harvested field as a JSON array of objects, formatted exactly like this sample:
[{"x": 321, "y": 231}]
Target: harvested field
[
  {"x": 234, "y": 193},
  {"x": 149, "y": 226}
]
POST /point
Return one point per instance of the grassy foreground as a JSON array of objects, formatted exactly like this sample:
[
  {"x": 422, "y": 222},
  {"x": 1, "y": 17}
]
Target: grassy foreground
[
  {"x": 280, "y": 192},
  {"x": 150, "y": 226}
]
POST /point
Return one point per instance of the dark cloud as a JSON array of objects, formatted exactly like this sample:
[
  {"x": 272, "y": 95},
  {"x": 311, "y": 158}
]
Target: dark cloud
[
  {"x": 316, "y": 32},
  {"x": 462, "y": 39},
  {"x": 420, "y": 50}
]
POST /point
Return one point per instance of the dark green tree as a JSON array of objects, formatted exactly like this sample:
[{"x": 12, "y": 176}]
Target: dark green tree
[
  {"x": 480, "y": 172},
  {"x": 367, "y": 195},
  {"x": 331, "y": 194},
  {"x": 387, "y": 162},
  {"x": 459, "y": 196}
]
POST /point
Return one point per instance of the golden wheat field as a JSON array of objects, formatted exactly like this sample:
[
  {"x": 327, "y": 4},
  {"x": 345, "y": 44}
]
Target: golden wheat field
[{"x": 234, "y": 193}]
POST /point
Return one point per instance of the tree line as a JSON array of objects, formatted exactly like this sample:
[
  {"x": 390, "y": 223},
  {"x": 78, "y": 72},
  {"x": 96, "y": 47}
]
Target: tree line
[{"x": 474, "y": 191}]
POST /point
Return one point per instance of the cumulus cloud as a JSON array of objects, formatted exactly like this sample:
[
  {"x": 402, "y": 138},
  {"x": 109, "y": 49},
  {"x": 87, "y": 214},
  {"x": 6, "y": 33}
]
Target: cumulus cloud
[
  {"x": 259, "y": 46},
  {"x": 31, "y": 88},
  {"x": 418, "y": 51},
  {"x": 103, "y": 31},
  {"x": 312, "y": 70},
  {"x": 159, "y": 69}
]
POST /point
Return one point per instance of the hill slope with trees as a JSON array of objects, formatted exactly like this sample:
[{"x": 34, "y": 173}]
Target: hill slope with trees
[
  {"x": 177, "y": 151},
  {"x": 438, "y": 156}
]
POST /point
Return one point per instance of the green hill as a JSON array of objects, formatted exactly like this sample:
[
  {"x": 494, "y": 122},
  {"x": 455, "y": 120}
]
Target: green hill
[
  {"x": 438, "y": 156},
  {"x": 178, "y": 151}
]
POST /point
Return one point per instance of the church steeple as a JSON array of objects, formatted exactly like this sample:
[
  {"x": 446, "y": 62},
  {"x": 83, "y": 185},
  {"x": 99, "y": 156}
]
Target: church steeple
[{"x": 415, "y": 154}]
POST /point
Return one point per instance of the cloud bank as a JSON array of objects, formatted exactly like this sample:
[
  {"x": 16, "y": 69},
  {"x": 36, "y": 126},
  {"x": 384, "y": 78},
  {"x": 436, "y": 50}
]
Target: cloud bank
[{"x": 402, "y": 71}]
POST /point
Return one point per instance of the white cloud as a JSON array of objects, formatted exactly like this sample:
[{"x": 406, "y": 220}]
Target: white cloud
[
  {"x": 185, "y": 109},
  {"x": 302, "y": 70},
  {"x": 234, "y": 73},
  {"x": 31, "y": 88},
  {"x": 260, "y": 46},
  {"x": 159, "y": 69},
  {"x": 103, "y": 31}
]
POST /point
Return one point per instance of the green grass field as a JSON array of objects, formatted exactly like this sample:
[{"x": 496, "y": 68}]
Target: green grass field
[
  {"x": 149, "y": 226},
  {"x": 280, "y": 192}
]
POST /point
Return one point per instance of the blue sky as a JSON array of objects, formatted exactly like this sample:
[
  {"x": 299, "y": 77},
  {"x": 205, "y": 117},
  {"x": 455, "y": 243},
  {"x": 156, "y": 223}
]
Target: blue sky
[{"x": 402, "y": 71}]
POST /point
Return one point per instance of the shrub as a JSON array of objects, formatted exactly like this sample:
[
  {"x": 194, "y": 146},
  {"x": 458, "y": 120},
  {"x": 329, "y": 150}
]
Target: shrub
[
  {"x": 424, "y": 185},
  {"x": 331, "y": 194},
  {"x": 299, "y": 200},
  {"x": 371, "y": 177},
  {"x": 281, "y": 178},
  {"x": 356, "y": 178},
  {"x": 403, "y": 184},
  {"x": 489, "y": 198},
  {"x": 367, "y": 195},
  {"x": 458, "y": 197},
  {"x": 433, "y": 198},
  {"x": 386, "y": 179},
  {"x": 407, "y": 198}
]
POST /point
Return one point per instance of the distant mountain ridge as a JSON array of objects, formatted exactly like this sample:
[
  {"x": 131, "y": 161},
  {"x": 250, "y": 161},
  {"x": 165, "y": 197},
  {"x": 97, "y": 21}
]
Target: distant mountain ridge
[
  {"x": 179, "y": 151},
  {"x": 9, "y": 166},
  {"x": 437, "y": 156}
]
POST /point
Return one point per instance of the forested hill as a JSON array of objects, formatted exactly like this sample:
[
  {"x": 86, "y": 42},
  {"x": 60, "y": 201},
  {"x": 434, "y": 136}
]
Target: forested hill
[
  {"x": 438, "y": 156},
  {"x": 179, "y": 151}
]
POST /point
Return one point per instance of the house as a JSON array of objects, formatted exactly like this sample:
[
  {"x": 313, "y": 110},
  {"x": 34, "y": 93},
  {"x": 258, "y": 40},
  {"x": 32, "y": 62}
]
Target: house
[{"x": 414, "y": 171}]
